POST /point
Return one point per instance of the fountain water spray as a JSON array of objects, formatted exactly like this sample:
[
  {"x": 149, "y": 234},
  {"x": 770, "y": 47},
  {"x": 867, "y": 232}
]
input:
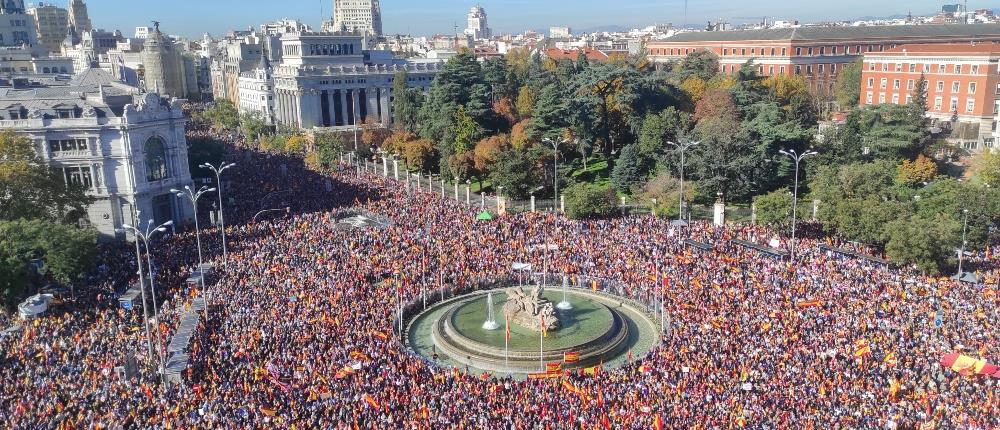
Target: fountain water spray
[{"x": 491, "y": 321}]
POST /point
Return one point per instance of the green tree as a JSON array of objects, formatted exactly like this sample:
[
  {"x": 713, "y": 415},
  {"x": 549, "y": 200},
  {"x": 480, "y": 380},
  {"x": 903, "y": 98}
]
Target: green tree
[
  {"x": 30, "y": 189},
  {"x": 514, "y": 171},
  {"x": 630, "y": 170},
  {"x": 203, "y": 150},
  {"x": 466, "y": 131},
  {"x": 405, "y": 103},
  {"x": 222, "y": 116},
  {"x": 774, "y": 209},
  {"x": 549, "y": 118},
  {"x": 669, "y": 125},
  {"x": 252, "y": 124},
  {"x": 590, "y": 201},
  {"x": 926, "y": 243},
  {"x": 326, "y": 149},
  {"x": 67, "y": 253},
  {"x": 701, "y": 64},
  {"x": 848, "y": 86}
]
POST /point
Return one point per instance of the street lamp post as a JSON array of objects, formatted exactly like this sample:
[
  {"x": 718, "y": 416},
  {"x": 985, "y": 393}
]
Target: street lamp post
[
  {"x": 193, "y": 197},
  {"x": 145, "y": 237},
  {"x": 682, "y": 147},
  {"x": 795, "y": 195},
  {"x": 218, "y": 181},
  {"x": 555, "y": 169}
]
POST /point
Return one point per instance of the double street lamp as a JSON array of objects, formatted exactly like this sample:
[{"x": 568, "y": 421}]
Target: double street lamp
[
  {"x": 682, "y": 148},
  {"x": 145, "y": 237},
  {"x": 218, "y": 181},
  {"x": 555, "y": 169},
  {"x": 193, "y": 197},
  {"x": 797, "y": 158}
]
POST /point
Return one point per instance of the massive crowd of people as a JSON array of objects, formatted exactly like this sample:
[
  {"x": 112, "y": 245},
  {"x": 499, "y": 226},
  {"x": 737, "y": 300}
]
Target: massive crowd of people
[{"x": 300, "y": 333}]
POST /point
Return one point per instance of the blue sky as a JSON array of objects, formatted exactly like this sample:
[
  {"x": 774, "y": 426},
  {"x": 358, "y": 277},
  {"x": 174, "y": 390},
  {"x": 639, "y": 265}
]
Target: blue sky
[{"x": 422, "y": 17}]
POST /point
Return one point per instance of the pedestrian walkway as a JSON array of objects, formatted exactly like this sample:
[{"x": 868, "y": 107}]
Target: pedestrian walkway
[{"x": 178, "y": 358}]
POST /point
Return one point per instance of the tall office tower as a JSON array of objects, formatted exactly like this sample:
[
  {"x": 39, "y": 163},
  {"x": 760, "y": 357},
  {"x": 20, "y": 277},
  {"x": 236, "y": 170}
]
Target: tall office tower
[
  {"x": 51, "y": 23},
  {"x": 478, "y": 28},
  {"x": 363, "y": 16},
  {"x": 79, "y": 19}
]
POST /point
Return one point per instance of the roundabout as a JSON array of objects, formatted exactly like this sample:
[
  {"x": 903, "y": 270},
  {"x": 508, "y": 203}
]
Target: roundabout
[{"x": 595, "y": 329}]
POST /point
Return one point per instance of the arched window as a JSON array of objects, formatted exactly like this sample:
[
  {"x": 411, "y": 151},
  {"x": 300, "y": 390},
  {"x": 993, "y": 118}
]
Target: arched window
[
  {"x": 45, "y": 70},
  {"x": 156, "y": 160}
]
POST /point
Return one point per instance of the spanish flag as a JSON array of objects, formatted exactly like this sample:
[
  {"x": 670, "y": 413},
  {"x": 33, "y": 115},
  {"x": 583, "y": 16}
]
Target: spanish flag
[
  {"x": 890, "y": 359},
  {"x": 379, "y": 335},
  {"x": 592, "y": 371},
  {"x": 268, "y": 411},
  {"x": 568, "y": 386},
  {"x": 571, "y": 357},
  {"x": 371, "y": 401},
  {"x": 861, "y": 348},
  {"x": 804, "y": 304},
  {"x": 593, "y": 284},
  {"x": 658, "y": 422},
  {"x": 553, "y": 367},
  {"x": 545, "y": 329}
]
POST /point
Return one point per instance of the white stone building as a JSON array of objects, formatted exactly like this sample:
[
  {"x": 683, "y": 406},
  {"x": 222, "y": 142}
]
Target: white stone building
[
  {"x": 256, "y": 91},
  {"x": 127, "y": 148},
  {"x": 328, "y": 80},
  {"x": 51, "y": 25},
  {"x": 362, "y": 16},
  {"x": 478, "y": 28}
]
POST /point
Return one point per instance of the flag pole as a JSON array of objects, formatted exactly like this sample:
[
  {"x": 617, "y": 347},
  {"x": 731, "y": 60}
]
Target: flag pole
[
  {"x": 541, "y": 342},
  {"x": 506, "y": 342}
]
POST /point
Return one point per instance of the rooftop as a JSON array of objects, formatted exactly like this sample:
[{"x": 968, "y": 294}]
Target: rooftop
[
  {"x": 985, "y": 48},
  {"x": 989, "y": 31}
]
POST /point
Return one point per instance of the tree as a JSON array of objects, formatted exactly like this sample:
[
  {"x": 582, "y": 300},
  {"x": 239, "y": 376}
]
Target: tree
[
  {"x": 926, "y": 243},
  {"x": 912, "y": 173},
  {"x": 419, "y": 155},
  {"x": 590, "y": 201},
  {"x": 630, "y": 170},
  {"x": 659, "y": 128},
  {"x": 694, "y": 87},
  {"x": 252, "y": 124},
  {"x": 326, "y": 149},
  {"x": 406, "y": 103},
  {"x": 848, "y": 86},
  {"x": 609, "y": 92},
  {"x": 774, "y": 209},
  {"x": 222, "y": 116},
  {"x": 30, "y": 189},
  {"x": 525, "y": 103},
  {"x": 986, "y": 168},
  {"x": 67, "y": 254},
  {"x": 514, "y": 171},
  {"x": 487, "y": 151},
  {"x": 506, "y": 111},
  {"x": 702, "y": 64},
  {"x": 520, "y": 136},
  {"x": 375, "y": 135},
  {"x": 466, "y": 132},
  {"x": 549, "y": 117},
  {"x": 918, "y": 102}
]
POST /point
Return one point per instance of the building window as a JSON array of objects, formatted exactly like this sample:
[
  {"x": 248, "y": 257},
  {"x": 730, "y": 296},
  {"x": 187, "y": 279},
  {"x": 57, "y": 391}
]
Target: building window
[
  {"x": 941, "y": 68},
  {"x": 798, "y": 70},
  {"x": 833, "y": 68},
  {"x": 955, "y": 87},
  {"x": 868, "y": 98},
  {"x": 895, "y": 99},
  {"x": 66, "y": 113},
  {"x": 79, "y": 176},
  {"x": 156, "y": 160},
  {"x": 972, "y": 87},
  {"x": 781, "y": 70},
  {"x": 810, "y": 51},
  {"x": 809, "y": 70},
  {"x": 970, "y": 105},
  {"x": 770, "y": 72},
  {"x": 885, "y": 67},
  {"x": 67, "y": 145},
  {"x": 940, "y": 86},
  {"x": 913, "y": 67},
  {"x": 953, "y": 107},
  {"x": 909, "y": 84},
  {"x": 975, "y": 69},
  {"x": 883, "y": 83},
  {"x": 784, "y": 51},
  {"x": 881, "y": 98},
  {"x": 909, "y": 99},
  {"x": 820, "y": 68},
  {"x": 958, "y": 69},
  {"x": 938, "y": 102},
  {"x": 895, "y": 84},
  {"x": 798, "y": 52},
  {"x": 822, "y": 50},
  {"x": 899, "y": 67}
]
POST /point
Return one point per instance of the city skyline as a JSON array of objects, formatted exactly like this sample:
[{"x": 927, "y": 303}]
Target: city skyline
[{"x": 506, "y": 16}]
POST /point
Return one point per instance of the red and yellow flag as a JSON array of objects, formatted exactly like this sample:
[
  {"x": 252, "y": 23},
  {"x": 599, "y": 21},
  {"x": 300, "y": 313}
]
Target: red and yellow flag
[
  {"x": 371, "y": 401},
  {"x": 571, "y": 356}
]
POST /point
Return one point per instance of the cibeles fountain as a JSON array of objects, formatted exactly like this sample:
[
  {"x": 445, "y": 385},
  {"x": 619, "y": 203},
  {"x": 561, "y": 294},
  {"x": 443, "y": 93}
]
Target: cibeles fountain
[{"x": 531, "y": 330}]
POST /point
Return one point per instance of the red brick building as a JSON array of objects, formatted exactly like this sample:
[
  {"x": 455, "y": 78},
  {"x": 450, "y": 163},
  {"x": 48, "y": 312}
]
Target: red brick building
[
  {"x": 816, "y": 53},
  {"x": 963, "y": 86}
]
